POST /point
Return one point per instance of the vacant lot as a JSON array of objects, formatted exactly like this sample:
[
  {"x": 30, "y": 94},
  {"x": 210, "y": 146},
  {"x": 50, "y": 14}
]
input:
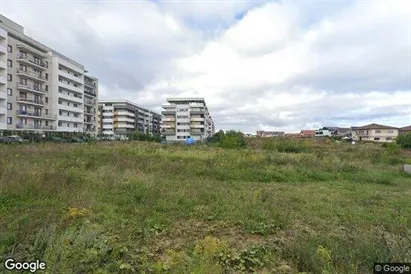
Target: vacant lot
[{"x": 301, "y": 206}]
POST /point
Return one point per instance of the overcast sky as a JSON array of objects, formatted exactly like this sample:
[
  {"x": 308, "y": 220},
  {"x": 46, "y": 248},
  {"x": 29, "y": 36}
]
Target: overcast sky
[{"x": 260, "y": 65}]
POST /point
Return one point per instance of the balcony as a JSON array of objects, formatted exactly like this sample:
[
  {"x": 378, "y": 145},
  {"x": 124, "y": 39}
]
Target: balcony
[
  {"x": 3, "y": 65},
  {"x": 71, "y": 77},
  {"x": 3, "y": 95},
  {"x": 25, "y": 100},
  {"x": 70, "y": 87},
  {"x": 70, "y": 108},
  {"x": 168, "y": 132},
  {"x": 168, "y": 111},
  {"x": 169, "y": 126},
  {"x": 24, "y": 113},
  {"x": 169, "y": 119},
  {"x": 32, "y": 50},
  {"x": 3, "y": 34},
  {"x": 35, "y": 127},
  {"x": 72, "y": 119},
  {"x": 197, "y": 126},
  {"x": 90, "y": 92},
  {"x": 90, "y": 102},
  {"x": 90, "y": 84},
  {"x": 3, "y": 125},
  {"x": 71, "y": 98},
  {"x": 197, "y": 110},
  {"x": 197, "y": 119},
  {"x": 3, "y": 80},
  {"x": 31, "y": 75},
  {"x": 3, "y": 49},
  {"x": 69, "y": 129},
  {"x": 196, "y": 132},
  {"x": 3, "y": 111},
  {"x": 34, "y": 89},
  {"x": 89, "y": 122},
  {"x": 31, "y": 62}
]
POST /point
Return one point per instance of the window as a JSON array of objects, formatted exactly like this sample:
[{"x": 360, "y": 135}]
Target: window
[
  {"x": 9, "y": 77},
  {"x": 46, "y": 76},
  {"x": 9, "y": 48},
  {"x": 75, "y": 115},
  {"x": 47, "y": 88},
  {"x": 75, "y": 105},
  {"x": 390, "y": 131},
  {"x": 9, "y": 120},
  {"x": 60, "y": 102},
  {"x": 377, "y": 131},
  {"x": 46, "y": 99},
  {"x": 75, "y": 85},
  {"x": 47, "y": 123},
  {"x": 75, "y": 75},
  {"x": 23, "y": 54},
  {"x": 388, "y": 138},
  {"x": 23, "y": 81},
  {"x": 9, "y": 106},
  {"x": 75, "y": 125},
  {"x": 60, "y": 80},
  {"x": 47, "y": 111},
  {"x": 24, "y": 121},
  {"x": 60, "y": 123},
  {"x": 9, "y": 92},
  {"x": 60, "y": 112},
  {"x": 9, "y": 63},
  {"x": 376, "y": 139},
  {"x": 60, "y": 68},
  {"x": 23, "y": 67}
]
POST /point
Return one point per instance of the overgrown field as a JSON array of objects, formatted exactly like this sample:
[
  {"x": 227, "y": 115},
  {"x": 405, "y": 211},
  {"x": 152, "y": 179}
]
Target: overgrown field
[{"x": 136, "y": 207}]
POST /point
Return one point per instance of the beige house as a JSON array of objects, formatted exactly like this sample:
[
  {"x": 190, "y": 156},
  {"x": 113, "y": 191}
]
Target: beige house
[{"x": 374, "y": 132}]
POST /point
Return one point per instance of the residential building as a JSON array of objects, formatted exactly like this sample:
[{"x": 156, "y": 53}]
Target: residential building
[
  {"x": 306, "y": 133},
  {"x": 184, "y": 117},
  {"x": 45, "y": 89},
  {"x": 262, "y": 133},
  {"x": 119, "y": 118},
  {"x": 405, "y": 130},
  {"x": 374, "y": 132},
  {"x": 324, "y": 132}
]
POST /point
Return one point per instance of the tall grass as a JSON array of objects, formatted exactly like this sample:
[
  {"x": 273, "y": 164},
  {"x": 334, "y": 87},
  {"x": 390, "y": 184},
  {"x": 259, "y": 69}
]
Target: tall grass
[{"x": 279, "y": 206}]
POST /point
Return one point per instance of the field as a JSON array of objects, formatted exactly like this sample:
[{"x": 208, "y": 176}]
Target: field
[{"x": 137, "y": 207}]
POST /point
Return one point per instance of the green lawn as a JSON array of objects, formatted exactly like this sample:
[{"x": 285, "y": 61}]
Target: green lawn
[{"x": 136, "y": 207}]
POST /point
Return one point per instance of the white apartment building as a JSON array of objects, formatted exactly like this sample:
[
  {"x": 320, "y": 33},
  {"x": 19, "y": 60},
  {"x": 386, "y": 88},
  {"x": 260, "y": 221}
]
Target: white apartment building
[
  {"x": 184, "y": 117},
  {"x": 120, "y": 118},
  {"x": 44, "y": 90}
]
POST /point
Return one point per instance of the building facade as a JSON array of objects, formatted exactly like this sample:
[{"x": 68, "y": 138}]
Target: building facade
[
  {"x": 374, "y": 132},
  {"x": 42, "y": 90},
  {"x": 184, "y": 117},
  {"x": 119, "y": 118}
]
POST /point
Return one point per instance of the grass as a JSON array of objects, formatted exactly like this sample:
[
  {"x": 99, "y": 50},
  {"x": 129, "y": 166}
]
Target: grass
[{"x": 279, "y": 206}]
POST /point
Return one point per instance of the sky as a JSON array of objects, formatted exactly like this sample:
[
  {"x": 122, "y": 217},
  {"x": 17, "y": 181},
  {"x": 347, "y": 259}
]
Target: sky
[{"x": 260, "y": 65}]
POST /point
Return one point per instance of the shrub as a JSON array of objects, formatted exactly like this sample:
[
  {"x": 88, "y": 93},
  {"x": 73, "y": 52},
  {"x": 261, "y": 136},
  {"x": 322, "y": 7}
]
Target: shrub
[
  {"x": 285, "y": 145},
  {"x": 404, "y": 140},
  {"x": 138, "y": 136},
  {"x": 232, "y": 139}
]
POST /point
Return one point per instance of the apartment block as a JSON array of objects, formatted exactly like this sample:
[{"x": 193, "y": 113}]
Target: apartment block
[
  {"x": 44, "y": 91},
  {"x": 122, "y": 117},
  {"x": 184, "y": 117}
]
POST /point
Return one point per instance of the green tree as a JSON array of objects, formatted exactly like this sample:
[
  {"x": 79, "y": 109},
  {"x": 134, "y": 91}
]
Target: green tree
[{"x": 404, "y": 140}]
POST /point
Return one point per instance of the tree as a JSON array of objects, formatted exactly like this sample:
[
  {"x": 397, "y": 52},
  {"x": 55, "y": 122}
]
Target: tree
[{"x": 404, "y": 140}]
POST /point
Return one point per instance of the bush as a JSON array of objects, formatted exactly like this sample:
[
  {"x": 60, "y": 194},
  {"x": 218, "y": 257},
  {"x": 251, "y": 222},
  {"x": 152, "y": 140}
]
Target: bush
[
  {"x": 404, "y": 140},
  {"x": 138, "y": 136},
  {"x": 232, "y": 139}
]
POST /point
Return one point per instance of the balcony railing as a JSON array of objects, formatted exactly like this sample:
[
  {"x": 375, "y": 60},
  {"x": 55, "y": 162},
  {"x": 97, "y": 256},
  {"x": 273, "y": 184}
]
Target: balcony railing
[
  {"x": 30, "y": 126},
  {"x": 30, "y": 88},
  {"x": 90, "y": 102},
  {"x": 38, "y": 63},
  {"x": 33, "y": 101},
  {"x": 35, "y": 115},
  {"x": 90, "y": 84},
  {"x": 32, "y": 75}
]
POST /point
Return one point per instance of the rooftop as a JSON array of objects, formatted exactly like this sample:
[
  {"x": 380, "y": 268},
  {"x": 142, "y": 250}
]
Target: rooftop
[
  {"x": 124, "y": 101},
  {"x": 374, "y": 126}
]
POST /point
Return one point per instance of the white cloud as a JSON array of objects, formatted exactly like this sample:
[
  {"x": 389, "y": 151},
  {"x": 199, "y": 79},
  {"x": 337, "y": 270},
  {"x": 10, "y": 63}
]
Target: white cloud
[{"x": 265, "y": 69}]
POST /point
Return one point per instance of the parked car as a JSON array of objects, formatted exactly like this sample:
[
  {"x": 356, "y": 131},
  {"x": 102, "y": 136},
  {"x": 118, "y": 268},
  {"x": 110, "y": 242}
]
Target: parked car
[
  {"x": 17, "y": 139},
  {"x": 58, "y": 140},
  {"x": 5, "y": 140},
  {"x": 76, "y": 140}
]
